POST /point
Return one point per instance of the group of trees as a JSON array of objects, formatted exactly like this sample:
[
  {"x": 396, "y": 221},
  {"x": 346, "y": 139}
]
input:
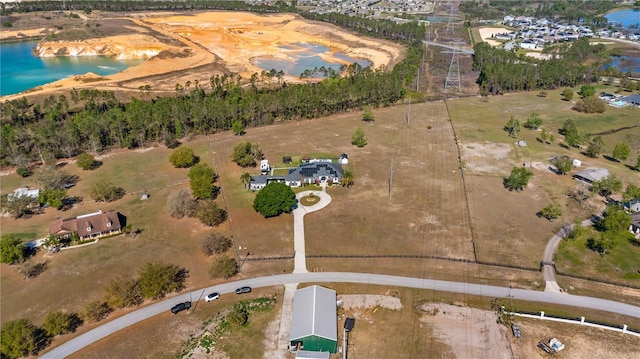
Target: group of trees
[
  {"x": 200, "y": 203},
  {"x": 154, "y": 281},
  {"x": 503, "y": 71},
  {"x": 518, "y": 179},
  {"x": 21, "y": 337},
  {"x": 589, "y": 102},
  {"x": 57, "y": 128},
  {"x": 245, "y": 154}
]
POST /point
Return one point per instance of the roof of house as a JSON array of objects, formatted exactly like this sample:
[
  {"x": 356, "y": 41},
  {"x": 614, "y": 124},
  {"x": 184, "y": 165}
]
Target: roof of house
[
  {"x": 633, "y": 98},
  {"x": 314, "y": 313},
  {"x": 316, "y": 169},
  {"x": 593, "y": 174},
  {"x": 635, "y": 219},
  {"x": 305, "y": 170},
  {"x": 24, "y": 191},
  {"x": 88, "y": 224}
]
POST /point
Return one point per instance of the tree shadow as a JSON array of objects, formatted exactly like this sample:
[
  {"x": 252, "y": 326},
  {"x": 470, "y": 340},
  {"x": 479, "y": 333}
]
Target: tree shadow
[
  {"x": 564, "y": 145},
  {"x": 607, "y": 157},
  {"x": 632, "y": 168},
  {"x": 69, "y": 202}
]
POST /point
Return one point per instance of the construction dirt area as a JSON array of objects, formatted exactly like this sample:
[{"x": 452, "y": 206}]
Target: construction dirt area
[{"x": 196, "y": 46}]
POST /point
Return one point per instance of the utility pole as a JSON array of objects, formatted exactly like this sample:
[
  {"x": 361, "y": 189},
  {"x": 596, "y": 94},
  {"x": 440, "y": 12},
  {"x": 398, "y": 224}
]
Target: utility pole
[
  {"x": 409, "y": 112},
  {"x": 390, "y": 177}
]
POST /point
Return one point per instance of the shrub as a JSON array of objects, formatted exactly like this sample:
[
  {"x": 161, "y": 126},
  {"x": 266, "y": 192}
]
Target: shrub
[
  {"x": 590, "y": 104},
  {"x": 180, "y": 204},
  {"x": 208, "y": 212},
  {"x": 86, "y": 161},
  {"x": 156, "y": 279},
  {"x": 215, "y": 243},
  {"x": 58, "y": 323},
  {"x": 24, "y": 171},
  {"x": 182, "y": 157},
  {"x": 223, "y": 267},
  {"x": 95, "y": 311}
]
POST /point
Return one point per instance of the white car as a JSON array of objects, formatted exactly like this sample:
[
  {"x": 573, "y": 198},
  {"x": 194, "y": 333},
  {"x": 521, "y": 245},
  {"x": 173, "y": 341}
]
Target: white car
[{"x": 212, "y": 296}]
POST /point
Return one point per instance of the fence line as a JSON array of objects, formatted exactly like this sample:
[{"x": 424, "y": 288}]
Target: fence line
[{"x": 581, "y": 321}]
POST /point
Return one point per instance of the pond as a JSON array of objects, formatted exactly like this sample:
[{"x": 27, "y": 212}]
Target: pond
[
  {"x": 626, "y": 18},
  {"x": 22, "y": 70},
  {"x": 300, "y": 57}
]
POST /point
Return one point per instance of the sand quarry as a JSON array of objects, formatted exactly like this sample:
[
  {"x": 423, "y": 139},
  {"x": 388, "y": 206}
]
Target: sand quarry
[{"x": 229, "y": 39}]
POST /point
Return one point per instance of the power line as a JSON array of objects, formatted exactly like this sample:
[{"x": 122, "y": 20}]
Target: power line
[{"x": 453, "y": 76}]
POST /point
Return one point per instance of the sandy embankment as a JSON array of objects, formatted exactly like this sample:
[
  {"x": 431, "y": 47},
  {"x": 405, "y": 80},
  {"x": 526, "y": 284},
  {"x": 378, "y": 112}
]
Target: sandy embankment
[
  {"x": 232, "y": 39},
  {"x": 487, "y": 32}
]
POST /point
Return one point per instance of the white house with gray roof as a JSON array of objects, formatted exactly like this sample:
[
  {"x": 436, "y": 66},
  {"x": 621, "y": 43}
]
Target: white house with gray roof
[
  {"x": 314, "y": 321},
  {"x": 306, "y": 173}
]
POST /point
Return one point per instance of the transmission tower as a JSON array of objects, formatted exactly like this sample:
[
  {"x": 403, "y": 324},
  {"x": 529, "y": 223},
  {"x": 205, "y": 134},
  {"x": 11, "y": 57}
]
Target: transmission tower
[
  {"x": 452, "y": 16},
  {"x": 453, "y": 76}
]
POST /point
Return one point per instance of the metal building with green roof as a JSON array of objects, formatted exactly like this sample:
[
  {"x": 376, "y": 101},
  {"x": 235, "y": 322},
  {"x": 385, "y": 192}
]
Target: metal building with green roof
[{"x": 314, "y": 322}]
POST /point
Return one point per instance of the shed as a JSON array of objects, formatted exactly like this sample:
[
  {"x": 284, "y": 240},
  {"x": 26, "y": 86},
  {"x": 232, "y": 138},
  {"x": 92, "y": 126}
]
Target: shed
[
  {"x": 577, "y": 163},
  {"x": 592, "y": 174},
  {"x": 314, "y": 323}
]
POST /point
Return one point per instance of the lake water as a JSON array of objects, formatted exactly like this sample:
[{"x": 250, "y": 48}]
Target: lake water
[
  {"x": 20, "y": 70},
  {"x": 304, "y": 57},
  {"x": 626, "y": 64},
  {"x": 626, "y": 18}
]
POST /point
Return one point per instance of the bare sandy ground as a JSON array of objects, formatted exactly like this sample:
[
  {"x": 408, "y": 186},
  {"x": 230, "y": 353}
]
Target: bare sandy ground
[
  {"x": 469, "y": 332},
  {"x": 487, "y": 32},
  {"x": 232, "y": 39}
]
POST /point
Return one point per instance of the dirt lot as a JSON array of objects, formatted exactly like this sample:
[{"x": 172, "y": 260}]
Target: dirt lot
[{"x": 580, "y": 342}]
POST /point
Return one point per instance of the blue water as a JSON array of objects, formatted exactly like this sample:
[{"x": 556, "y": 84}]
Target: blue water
[
  {"x": 626, "y": 18},
  {"x": 631, "y": 64},
  {"x": 20, "y": 70},
  {"x": 304, "y": 57}
]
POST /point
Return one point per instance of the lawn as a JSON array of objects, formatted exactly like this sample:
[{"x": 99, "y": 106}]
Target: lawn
[{"x": 620, "y": 263}]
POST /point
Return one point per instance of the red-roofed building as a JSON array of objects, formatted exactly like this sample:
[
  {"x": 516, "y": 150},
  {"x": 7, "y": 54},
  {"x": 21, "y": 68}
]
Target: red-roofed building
[{"x": 88, "y": 226}]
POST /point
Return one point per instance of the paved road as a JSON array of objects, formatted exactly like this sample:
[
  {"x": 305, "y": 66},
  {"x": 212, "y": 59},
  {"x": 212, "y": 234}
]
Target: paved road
[{"x": 163, "y": 307}]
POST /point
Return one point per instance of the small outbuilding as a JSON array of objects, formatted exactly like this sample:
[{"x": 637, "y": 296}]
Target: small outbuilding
[
  {"x": 144, "y": 195},
  {"x": 592, "y": 175},
  {"x": 314, "y": 322}
]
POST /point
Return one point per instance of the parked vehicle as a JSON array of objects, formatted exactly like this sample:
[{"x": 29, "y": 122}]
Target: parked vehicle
[
  {"x": 212, "y": 296},
  {"x": 180, "y": 307},
  {"x": 515, "y": 328},
  {"x": 243, "y": 290}
]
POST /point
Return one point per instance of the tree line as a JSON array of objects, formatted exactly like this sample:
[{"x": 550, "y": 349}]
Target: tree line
[
  {"x": 93, "y": 120},
  {"x": 503, "y": 71}
]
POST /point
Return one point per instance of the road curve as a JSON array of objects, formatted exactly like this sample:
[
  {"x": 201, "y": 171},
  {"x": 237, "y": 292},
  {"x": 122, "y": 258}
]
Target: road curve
[
  {"x": 141, "y": 314},
  {"x": 547, "y": 259}
]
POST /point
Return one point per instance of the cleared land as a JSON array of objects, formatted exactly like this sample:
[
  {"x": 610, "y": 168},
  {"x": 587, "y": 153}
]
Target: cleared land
[
  {"x": 505, "y": 224},
  {"x": 194, "y": 46}
]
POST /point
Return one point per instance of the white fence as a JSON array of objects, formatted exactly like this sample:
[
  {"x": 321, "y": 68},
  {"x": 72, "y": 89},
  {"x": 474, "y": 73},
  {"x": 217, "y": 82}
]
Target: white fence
[{"x": 580, "y": 322}]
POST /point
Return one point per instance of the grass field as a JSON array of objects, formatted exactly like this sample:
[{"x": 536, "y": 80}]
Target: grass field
[
  {"x": 621, "y": 262},
  {"x": 488, "y": 154},
  {"x": 408, "y": 199}
]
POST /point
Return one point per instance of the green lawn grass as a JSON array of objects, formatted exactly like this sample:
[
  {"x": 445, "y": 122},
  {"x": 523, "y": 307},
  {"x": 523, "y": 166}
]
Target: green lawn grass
[{"x": 620, "y": 263}]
